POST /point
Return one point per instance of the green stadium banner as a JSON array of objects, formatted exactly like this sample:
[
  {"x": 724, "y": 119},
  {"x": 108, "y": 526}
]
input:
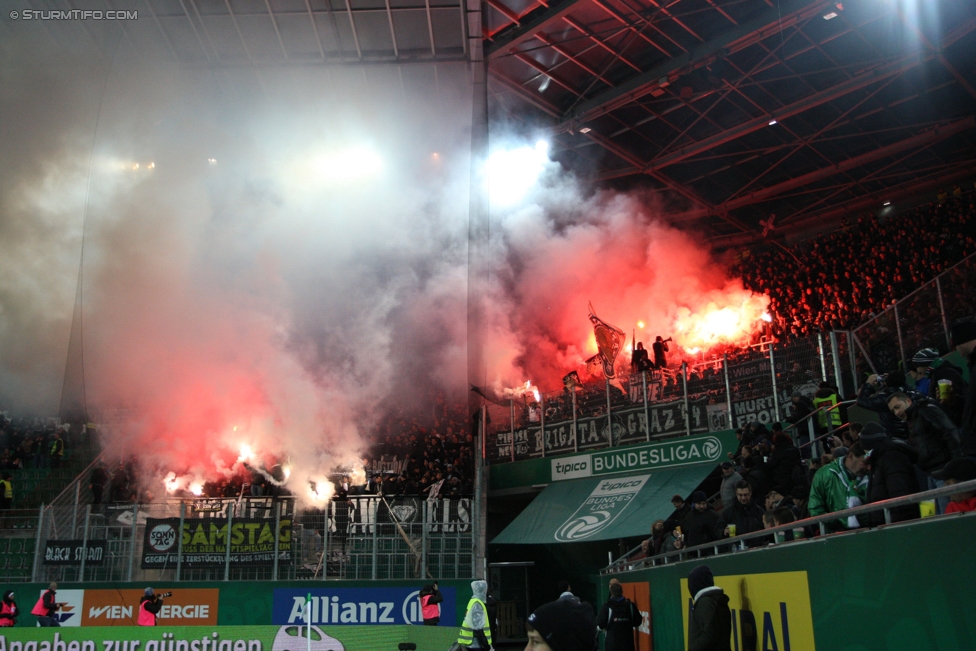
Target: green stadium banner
[
  {"x": 227, "y": 638},
  {"x": 906, "y": 587}
]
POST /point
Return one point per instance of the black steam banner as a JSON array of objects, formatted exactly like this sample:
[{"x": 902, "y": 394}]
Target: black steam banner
[{"x": 252, "y": 540}]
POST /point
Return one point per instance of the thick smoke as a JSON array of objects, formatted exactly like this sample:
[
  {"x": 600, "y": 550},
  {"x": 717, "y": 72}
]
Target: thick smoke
[
  {"x": 274, "y": 259},
  {"x": 271, "y": 259}
]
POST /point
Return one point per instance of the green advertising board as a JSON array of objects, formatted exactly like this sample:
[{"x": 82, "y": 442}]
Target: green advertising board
[
  {"x": 227, "y": 638},
  {"x": 906, "y": 587}
]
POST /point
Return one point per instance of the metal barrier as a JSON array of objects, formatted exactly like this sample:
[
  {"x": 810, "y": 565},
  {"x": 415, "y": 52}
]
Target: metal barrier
[
  {"x": 272, "y": 538},
  {"x": 778, "y": 535},
  {"x": 707, "y": 396},
  {"x": 920, "y": 320}
]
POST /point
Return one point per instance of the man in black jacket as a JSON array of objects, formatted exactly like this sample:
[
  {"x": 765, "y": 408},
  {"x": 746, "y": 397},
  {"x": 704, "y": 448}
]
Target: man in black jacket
[
  {"x": 782, "y": 463},
  {"x": 700, "y": 526},
  {"x": 874, "y": 395},
  {"x": 710, "y": 621},
  {"x": 933, "y": 435},
  {"x": 964, "y": 341},
  {"x": 619, "y": 617},
  {"x": 892, "y": 467},
  {"x": 743, "y": 514}
]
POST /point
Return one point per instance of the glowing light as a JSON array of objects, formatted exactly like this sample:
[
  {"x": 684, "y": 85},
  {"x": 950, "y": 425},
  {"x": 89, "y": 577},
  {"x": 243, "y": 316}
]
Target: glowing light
[
  {"x": 536, "y": 395},
  {"x": 832, "y": 14},
  {"x": 287, "y": 471},
  {"x": 135, "y": 166},
  {"x": 196, "y": 488},
  {"x": 152, "y": 166},
  {"x": 585, "y": 130},
  {"x": 212, "y": 161},
  {"x": 772, "y": 122},
  {"x": 320, "y": 491},
  {"x": 171, "y": 482},
  {"x": 246, "y": 452},
  {"x": 694, "y": 351},
  {"x": 435, "y": 155},
  {"x": 887, "y": 203},
  {"x": 722, "y": 321},
  {"x": 640, "y": 324},
  {"x": 767, "y": 317},
  {"x": 512, "y": 173}
]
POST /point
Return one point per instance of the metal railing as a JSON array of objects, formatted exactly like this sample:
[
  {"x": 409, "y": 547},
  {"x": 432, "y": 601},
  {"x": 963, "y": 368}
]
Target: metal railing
[
  {"x": 778, "y": 534},
  {"x": 920, "y": 320},
  {"x": 712, "y": 395},
  {"x": 361, "y": 537}
]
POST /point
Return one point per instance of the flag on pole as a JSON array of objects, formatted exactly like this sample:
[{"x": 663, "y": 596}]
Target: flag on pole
[{"x": 609, "y": 340}]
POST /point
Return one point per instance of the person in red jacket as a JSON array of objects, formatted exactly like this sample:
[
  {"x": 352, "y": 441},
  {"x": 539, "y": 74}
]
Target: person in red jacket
[
  {"x": 8, "y": 609},
  {"x": 149, "y": 607},
  {"x": 958, "y": 471},
  {"x": 47, "y": 607},
  {"x": 430, "y": 610}
]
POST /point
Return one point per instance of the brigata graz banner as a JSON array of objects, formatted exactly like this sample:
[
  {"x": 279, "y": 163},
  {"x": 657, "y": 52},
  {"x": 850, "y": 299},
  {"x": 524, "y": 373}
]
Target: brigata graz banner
[{"x": 252, "y": 540}]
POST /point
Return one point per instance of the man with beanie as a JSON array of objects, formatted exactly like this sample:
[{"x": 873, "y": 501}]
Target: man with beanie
[
  {"x": 956, "y": 472},
  {"x": 710, "y": 621},
  {"x": 476, "y": 630},
  {"x": 561, "y": 625},
  {"x": 891, "y": 472},
  {"x": 963, "y": 335},
  {"x": 700, "y": 526},
  {"x": 149, "y": 607},
  {"x": 928, "y": 370},
  {"x": 619, "y": 617}
]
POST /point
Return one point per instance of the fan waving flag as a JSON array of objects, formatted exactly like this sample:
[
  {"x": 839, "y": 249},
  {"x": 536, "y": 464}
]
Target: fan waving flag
[{"x": 609, "y": 339}]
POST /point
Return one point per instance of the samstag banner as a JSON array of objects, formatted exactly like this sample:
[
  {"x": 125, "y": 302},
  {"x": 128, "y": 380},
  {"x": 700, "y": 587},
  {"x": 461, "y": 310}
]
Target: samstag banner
[{"x": 205, "y": 542}]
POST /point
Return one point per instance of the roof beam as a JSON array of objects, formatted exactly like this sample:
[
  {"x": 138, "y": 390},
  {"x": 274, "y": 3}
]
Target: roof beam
[
  {"x": 769, "y": 23},
  {"x": 529, "y": 25},
  {"x": 927, "y": 137},
  {"x": 861, "y": 81}
]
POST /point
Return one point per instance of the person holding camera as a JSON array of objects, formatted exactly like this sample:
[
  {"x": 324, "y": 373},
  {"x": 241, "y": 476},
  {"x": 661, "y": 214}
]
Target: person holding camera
[
  {"x": 149, "y": 606},
  {"x": 430, "y": 599},
  {"x": 874, "y": 395},
  {"x": 47, "y": 607}
]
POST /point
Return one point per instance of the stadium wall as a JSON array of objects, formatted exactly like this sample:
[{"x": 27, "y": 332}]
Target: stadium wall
[
  {"x": 905, "y": 587},
  {"x": 335, "y": 604}
]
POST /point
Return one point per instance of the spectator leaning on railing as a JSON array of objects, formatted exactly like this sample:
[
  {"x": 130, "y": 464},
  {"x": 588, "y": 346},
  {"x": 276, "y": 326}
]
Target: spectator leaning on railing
[
  {"x": 840, "y": 485},
  {"x": 742, "y": 516}
]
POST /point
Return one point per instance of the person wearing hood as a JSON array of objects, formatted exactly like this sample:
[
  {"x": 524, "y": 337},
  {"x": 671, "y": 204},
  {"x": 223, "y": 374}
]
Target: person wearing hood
[
  {"x": 780, "y": 468},
  {"x": 430, "y": 599},
  {"x": 619, "y": 617},
  {"x": 561, "y": 625},
  {"x": 891, "y": 467},
  {"x": 149, "y": 607},
  {"x": 476, "y": 630},
  {"x": 8, "y": 609},
  {"x": 710, "y": 622}
]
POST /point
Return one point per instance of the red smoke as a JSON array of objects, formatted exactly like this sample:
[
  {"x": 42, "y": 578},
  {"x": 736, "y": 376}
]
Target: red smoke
[{"x": 631, "y": 267}]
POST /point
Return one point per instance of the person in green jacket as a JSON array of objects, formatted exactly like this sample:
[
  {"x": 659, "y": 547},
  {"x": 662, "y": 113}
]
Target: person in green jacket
[
  {"x": 839, "y": 485},
  {"x": 476, "y": 630}
]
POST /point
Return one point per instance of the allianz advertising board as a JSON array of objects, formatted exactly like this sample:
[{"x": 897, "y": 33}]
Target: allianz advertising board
[
  {"x": 683, "y": 451},
  {"x": 357, "y": 606}
]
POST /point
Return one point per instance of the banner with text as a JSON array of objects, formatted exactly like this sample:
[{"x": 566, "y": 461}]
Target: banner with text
[
  {"x": 252, "y": 540},
  {"x": 346, "y": 606}
]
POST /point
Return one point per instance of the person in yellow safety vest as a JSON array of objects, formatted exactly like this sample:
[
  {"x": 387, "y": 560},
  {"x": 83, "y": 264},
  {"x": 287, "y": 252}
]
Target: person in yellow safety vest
[
  {"x": 57, "y": 449},
  {"x": 475, "y": 630},
  {"x": 6, "y": 491},
  {"x": 826, "y": 397}
]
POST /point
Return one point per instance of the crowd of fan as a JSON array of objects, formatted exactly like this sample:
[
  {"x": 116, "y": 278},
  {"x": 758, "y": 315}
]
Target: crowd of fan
[
  {"x": 31, "y": 443},
  {"x": 839, "y": 279},
  {"x": 411, "y": 455},
  {"x": 925, "y": 438}
]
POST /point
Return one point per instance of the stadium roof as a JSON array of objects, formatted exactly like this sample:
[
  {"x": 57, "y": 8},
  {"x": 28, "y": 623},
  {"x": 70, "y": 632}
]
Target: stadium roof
[
  {"x": 739, "y": 110},
  {"x": 734, "y": 110}
]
